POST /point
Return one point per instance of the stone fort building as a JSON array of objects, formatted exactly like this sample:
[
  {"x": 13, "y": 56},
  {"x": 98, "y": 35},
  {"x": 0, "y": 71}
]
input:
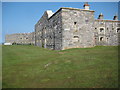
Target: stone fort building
[
  {"x": 75, "y": 28},
  {"x": 20, "y": 38}
]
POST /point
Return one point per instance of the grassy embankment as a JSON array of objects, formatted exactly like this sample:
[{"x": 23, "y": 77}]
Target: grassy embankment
[{"x": 34, "y": 67}]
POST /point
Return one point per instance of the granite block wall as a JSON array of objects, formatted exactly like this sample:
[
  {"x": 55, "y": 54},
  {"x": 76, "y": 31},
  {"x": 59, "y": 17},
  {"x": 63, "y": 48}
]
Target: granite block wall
[
  {"x": 20, "y": 38},
  {"x": 106, "y": 32},
  {"x": 75, "y": 28}
]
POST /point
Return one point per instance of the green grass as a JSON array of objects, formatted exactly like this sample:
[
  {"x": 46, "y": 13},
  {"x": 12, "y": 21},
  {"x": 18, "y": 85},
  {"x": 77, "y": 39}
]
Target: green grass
[{"x": 34, "y": 67}]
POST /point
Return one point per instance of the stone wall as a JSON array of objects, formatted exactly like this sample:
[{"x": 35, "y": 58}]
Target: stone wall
[
  {"x": 48, "y": 31},
  {"x": 40, "y": 29},
  {"x": 77, "y": 27},
  {"x": 55, "y": 31},
  {"x": 106, "y": 32},
  {"x": 74, "y": 28},
  {"x": 20, "y": 38}
]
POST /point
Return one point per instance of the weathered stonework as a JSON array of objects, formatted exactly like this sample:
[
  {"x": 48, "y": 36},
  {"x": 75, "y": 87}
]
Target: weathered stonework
[
  {"x": 71, "y": 28},
  {"x": 110, "y": 33},
  {"x": 75, "y": 28},
  {"x": 48, "y": 31},
  {"x": 20, "y": 38}
]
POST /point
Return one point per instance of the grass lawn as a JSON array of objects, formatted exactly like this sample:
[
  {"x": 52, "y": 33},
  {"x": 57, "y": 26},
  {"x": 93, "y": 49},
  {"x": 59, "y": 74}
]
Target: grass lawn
[{"x": 34, "y": 67}]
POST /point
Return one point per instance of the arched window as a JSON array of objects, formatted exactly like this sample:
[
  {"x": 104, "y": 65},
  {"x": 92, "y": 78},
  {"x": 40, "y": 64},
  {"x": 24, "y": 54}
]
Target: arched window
[{"x": 101, "y": 38}]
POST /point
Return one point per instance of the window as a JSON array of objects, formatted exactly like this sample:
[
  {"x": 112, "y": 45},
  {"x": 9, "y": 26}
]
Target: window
[
  {"x": 75, "y": 23},
  {"x": 107, "y": 39},
  {"x": 101, "y": 38},
  {"x": 101, "y": 29},
  {"x": 118, "y": 29},
  {"x": 59, "y": 31},
  {"x": 26, "y": 38},
  {"x": 75, "y": 12},
  {"x": 95, "y": 28},
  {"x": 76, "y": 37}
]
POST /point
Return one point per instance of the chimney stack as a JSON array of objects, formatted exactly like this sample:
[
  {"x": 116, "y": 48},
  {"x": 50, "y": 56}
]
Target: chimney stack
[
  {"x": 100, "y": 16},
  {"x": 86, "y": 6},
  {"x": 115, "y": 17}
]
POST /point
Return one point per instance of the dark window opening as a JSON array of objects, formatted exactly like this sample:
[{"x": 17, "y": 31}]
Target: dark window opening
[
  {"x": 101, "y": 38},
  {"x": 75, "y": 12},
  {"x": 59, "y": 31},
  {"x": 118, "y": 29},
  {"x": 75, "y": 23},
  {"x": 76, "y": 37},
  {"x": 101, "y": 29},
  {"x": 95, "y": 28}
]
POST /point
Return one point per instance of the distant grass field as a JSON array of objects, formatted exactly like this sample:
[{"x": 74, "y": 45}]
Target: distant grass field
[{"x": 34, "y": 67}]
